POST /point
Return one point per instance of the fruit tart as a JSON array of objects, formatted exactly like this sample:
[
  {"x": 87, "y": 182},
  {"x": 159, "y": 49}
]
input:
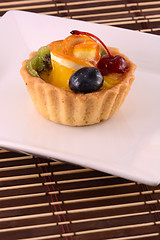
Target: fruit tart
[{"x": 78, "y": 81}]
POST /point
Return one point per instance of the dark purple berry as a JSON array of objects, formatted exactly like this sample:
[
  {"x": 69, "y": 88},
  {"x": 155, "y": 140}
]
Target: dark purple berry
[{"x": 86, "y": 80}]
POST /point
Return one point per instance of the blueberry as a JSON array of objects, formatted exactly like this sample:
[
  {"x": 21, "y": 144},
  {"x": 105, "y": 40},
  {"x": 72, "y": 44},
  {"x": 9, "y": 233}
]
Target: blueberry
[{"x": 86, "y": 80}]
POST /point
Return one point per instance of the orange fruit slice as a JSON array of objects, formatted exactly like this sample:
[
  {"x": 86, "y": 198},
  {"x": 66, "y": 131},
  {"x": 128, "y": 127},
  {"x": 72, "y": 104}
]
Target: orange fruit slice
[{"x": 82, "y": 47}]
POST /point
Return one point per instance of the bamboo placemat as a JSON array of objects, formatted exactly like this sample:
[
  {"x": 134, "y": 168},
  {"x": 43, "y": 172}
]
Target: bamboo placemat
[
  {"x": 142, "y": 15},
  {"x": 45, "y": 199},
  {"x": 48, "y": 199}
]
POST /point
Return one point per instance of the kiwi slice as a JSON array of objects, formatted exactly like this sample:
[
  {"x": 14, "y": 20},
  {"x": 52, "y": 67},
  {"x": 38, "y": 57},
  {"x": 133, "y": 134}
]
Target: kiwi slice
[
  {"x": 42, "y": 53},
  {"x": 31, "y": 66},
  {"x": 40, "y": 62},
  {"x": 45, "y": 50}
]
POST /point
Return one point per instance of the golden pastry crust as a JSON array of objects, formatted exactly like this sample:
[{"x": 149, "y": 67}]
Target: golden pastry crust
[{"x": 77, "y": 109}]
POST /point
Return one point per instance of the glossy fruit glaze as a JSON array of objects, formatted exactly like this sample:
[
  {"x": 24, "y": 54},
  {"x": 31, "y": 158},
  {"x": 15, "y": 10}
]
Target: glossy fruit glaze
[{"x": 108, "y": 63}]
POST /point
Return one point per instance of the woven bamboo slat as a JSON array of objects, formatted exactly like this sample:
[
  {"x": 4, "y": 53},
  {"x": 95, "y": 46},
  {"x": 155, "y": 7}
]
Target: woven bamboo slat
[
  {"x": 143, "y": 15},
  {"x": 49, "y": 199}
]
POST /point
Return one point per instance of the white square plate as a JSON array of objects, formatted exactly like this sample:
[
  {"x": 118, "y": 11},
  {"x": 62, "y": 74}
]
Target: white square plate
[{"x": 127, "y": 145}]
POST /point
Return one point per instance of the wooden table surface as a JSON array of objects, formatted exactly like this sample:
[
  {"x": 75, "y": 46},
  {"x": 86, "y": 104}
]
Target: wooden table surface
[{"x": 50, "y": 199}]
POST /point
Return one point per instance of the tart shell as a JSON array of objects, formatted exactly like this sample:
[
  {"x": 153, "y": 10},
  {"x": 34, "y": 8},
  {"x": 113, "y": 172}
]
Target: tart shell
[{"x": 77, "y": 109}]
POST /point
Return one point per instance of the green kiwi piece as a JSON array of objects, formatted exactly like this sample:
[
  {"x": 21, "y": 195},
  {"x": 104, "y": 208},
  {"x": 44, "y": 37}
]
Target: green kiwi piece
[
  {"x": 43, "y": 62},
  {"x": 31, "y": 66},
  {"x": 40, "y": 62},
  {"x": 43, "y": 51}
]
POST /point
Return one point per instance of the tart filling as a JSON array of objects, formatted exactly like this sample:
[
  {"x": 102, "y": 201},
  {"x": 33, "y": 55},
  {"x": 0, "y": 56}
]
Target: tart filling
[{"x": 77, "y": 81}]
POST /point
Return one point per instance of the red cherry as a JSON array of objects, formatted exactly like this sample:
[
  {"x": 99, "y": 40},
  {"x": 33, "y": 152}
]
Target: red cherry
[
  {"x": 115, "y": 64},
  {"x": 103, "y": 64}
]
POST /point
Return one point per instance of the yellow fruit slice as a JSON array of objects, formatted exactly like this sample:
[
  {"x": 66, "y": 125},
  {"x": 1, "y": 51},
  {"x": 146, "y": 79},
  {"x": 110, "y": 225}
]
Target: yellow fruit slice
[
  {"x": 111, "y": 80},
  {"x": 60, "y": 76},
  {"x": 87, "y": 51},
  {"x": 63, "y": 66}
]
